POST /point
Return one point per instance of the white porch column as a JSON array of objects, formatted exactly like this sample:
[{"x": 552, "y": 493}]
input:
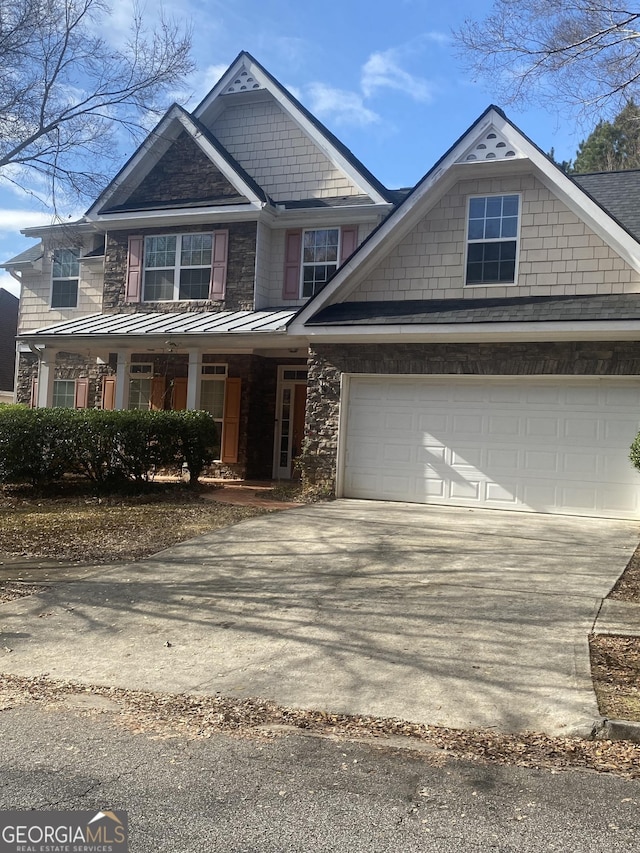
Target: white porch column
[
  {"x": 122, "y": 380},
  {"x": 193, "y": 379},
  {"x": 46, "y": 375}
]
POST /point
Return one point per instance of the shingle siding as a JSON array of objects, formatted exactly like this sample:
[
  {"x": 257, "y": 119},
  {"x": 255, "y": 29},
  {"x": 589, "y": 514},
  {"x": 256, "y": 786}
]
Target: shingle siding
[{"x": 558, "y": 253}]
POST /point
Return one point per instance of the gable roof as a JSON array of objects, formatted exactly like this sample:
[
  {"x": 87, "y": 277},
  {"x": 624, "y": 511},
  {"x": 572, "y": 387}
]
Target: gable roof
[
  {"x": 175, "y": 121},
  {"x": 246, "y": 74},
  {"x": 492, "y": 137}
]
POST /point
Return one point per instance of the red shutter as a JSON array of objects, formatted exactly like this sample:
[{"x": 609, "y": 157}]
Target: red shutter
[
  {"x": 108, "y": 392},
  {"x": 179, "y": 394},
  {"x": 34, "y": 393},
  {"x": 231, "y": 422},
  {"x": 82, "y": 393},
  {"x": 292, "y": 259},
  {"x": 134, "y": 269},
  {"x": 158, "y": 389},
  {"x": 219, "y": 264},
  {"x": 349, "y": 242}
]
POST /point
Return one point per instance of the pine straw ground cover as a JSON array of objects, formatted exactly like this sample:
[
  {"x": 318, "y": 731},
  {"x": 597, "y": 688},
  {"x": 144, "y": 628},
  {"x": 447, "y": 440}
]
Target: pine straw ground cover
[{"x": 166, "y": 715}]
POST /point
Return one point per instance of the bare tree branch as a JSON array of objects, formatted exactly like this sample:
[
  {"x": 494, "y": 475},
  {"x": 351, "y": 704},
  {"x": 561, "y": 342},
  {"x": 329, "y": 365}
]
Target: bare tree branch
[
  {"x": 66, "y": 93},
  {"x": 581, "y": 53}
]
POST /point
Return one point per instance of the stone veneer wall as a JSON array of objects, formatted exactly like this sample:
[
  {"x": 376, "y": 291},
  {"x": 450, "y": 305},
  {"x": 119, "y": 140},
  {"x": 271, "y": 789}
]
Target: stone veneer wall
[
  {"x": 240, "y": 270},
  {"x": 68, "y": 366},
  {"x": 183, "y": 174},
  {"x": 329, "y": 361}
]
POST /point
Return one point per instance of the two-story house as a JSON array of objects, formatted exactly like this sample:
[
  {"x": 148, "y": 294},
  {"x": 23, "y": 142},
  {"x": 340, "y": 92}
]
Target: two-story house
[{"x": 471, "y": 342}]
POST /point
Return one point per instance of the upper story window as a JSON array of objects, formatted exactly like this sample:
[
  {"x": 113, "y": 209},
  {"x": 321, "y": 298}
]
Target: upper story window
[
  {"x": 320, "y": 253},
  {"x": 65, "y": 272},
  {"x": 492, "y": 239},
  {"x": 177, "y": 266}
]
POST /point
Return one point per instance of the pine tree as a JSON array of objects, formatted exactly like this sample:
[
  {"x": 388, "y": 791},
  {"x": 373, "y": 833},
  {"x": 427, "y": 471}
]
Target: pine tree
[{"x": 611, "y": 146}]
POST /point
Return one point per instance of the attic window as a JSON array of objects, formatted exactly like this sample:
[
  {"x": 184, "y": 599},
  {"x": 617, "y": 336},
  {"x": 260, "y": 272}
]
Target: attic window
[{"x": 492, "y": 242}]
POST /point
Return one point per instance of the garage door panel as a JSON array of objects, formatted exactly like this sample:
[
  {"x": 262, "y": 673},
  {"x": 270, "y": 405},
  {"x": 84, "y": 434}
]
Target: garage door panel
[{"x": 527, "y": 444}]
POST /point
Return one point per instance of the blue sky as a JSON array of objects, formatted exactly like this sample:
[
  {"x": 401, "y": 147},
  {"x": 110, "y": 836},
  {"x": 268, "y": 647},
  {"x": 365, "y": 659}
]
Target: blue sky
[{"x": 382, "y": 76}]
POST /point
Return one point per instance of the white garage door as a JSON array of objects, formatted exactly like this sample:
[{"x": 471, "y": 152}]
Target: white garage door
[{"x": 558, "y": 446}]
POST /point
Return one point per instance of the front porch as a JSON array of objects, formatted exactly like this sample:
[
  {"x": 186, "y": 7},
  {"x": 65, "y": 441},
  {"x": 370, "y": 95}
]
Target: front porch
[{"x": 248, "y": 377}]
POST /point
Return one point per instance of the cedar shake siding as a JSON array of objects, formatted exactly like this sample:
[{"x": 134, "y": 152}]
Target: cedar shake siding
[{"x": 241, "y": 259}]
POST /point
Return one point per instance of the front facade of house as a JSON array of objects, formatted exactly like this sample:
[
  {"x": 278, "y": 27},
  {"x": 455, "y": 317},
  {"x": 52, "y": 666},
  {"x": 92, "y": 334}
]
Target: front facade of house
[{"x": 473, "y": 342}]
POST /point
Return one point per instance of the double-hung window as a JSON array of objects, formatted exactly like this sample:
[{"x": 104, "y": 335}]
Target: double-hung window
[
  {"x": 177, "y": 266},
  {"x": 492, "y": 239},
  {"x": 65, "y": 272},
  {"x": 320, "y": 253}
]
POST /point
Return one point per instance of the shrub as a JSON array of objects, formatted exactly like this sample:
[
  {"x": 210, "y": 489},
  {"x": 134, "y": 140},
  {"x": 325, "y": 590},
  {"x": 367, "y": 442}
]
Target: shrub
[
  {"x": 36, "y": 445},
  {"x": 634, "y": 455},
  {"x": 40, "y": 446}
]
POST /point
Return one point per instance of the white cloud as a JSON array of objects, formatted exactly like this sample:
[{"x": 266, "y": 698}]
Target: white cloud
[
  {"x": 382, "y": 71},
  {"x": 9, "y": 283},
  {"x": 343, "y": 106},
  {"x": 14, "y": 220}
]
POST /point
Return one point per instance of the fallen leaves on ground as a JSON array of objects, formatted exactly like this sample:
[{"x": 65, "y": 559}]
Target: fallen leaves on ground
[
  {"x": 92, "y": 530},
  {"x": 202, "y": 716},
  {"x": 615, "y": 669},
  {"x": 627, "y": 587},
  {"x": 10, "y": 590}
]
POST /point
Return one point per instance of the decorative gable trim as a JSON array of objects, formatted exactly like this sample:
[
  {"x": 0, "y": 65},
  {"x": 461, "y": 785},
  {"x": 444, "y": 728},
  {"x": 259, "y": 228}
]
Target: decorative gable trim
[
  {"x": 157, "y": 144},
  {"x": 491, "y": 145},
  {"x": 454, "y": 166},
  {"x": 245, "y": 67}
]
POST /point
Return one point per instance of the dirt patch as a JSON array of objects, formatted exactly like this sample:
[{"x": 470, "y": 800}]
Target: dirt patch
[
  {"x": 627, "y": 587},
  {"x": 84, "y": 529},
  {"x": 615, "y": 669},
  {"x": 168, "y": 715}
]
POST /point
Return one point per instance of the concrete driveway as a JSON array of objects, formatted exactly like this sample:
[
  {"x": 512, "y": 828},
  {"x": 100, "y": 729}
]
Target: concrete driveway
[{"x": 444, "y": 616}]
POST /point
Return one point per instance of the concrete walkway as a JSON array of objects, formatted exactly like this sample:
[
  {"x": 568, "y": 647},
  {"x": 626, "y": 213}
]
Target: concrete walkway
[{"x": 444, "y": 616}]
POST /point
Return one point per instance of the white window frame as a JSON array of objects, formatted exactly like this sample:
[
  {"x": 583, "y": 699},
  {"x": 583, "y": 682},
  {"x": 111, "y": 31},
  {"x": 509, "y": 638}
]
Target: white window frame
[
  {"x": 215, "y": 372},
  {"x": 145, "y": 371},
  {"x": 177, "y": 267},
  {"x": 317, "y": 263},
  {"x": 468, "y": 242},
  {"x": 57, "y": 405},
  {"x": 54, "y": 279}
]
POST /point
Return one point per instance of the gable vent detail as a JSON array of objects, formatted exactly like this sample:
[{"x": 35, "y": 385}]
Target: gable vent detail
[
  {"x": 490, "y": 146},
  {"x": 242, "y": 82}
]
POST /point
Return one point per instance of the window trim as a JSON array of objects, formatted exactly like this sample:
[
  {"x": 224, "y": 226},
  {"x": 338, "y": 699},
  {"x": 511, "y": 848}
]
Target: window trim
[
  {"x": 302, "y": 262},
  {"x": 468, "y": 242},
  {"x": 53, "y": 307},
  {"x": 58, "y": 406},
  {"x": 177, "y": 267}
]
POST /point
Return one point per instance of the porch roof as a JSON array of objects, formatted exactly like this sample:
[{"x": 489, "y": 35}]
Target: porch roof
[{"x": 167, "y": 324}]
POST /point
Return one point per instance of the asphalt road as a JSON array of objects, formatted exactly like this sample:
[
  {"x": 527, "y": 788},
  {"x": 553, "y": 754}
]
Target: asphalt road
[{"x": 296, "y": 793}]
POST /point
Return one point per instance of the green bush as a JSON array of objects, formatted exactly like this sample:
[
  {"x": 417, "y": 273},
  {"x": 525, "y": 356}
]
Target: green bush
[
  {"x": 36, "y": 445},
  {"x": 40, "y": 446},
  {"x": 634, "y": 455}
]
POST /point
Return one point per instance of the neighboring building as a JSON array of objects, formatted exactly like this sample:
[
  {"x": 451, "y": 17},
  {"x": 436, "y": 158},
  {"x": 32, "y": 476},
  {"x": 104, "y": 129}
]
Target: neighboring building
[
  {"x": 471, "y": 342},
  {"x": 8, "y": 329}
]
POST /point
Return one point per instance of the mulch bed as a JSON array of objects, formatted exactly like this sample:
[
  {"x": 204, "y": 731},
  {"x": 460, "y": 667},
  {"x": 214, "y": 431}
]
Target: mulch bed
[{"x": 615, "y": 669}]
